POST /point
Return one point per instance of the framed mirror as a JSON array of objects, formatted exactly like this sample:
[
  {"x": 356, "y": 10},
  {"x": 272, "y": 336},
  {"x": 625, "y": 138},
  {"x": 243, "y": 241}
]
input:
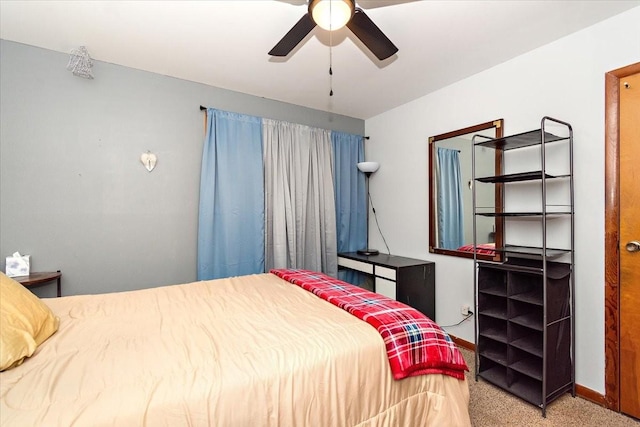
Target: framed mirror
[{"x": 451, "y": 193}]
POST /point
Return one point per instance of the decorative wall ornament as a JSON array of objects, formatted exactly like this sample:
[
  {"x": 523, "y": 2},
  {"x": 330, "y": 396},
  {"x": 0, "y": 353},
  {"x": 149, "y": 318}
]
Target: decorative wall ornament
[
  {"x": 80, "y": 63},
  {"x": 149, "y": 160}
]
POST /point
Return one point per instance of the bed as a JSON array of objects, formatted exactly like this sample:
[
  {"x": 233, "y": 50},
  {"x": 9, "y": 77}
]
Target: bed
[{"x": 246, "y": 351}]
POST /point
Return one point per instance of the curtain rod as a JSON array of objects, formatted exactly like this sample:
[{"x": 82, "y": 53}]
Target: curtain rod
[{"x": 202, "y": 108}]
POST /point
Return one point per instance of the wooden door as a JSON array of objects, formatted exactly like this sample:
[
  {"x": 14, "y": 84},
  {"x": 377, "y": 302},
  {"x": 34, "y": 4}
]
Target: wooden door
[{"x": 630, "y": 257}]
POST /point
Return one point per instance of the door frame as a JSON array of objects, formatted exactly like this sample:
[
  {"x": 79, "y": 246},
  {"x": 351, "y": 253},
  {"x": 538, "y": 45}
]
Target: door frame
[{"x": 612, "y": 232}]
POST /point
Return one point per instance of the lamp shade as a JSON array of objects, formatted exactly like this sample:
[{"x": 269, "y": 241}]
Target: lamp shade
[
  {"x": 368, "y": 167},
  {"x": 331, "y": 14}
]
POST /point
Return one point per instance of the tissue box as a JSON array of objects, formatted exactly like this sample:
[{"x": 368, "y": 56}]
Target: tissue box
[{"x": 17, "y": 265}]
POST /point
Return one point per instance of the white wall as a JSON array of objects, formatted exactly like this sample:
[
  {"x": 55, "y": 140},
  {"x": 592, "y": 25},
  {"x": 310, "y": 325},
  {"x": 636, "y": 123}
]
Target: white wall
[{"x": 564, "y": 79}]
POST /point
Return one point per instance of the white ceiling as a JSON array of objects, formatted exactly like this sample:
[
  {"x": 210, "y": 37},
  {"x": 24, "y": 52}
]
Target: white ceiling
[{"x": 225, "y": 43}]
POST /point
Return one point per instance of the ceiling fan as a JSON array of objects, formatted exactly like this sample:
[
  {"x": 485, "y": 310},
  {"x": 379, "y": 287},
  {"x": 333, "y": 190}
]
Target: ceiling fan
[{"x": 332, "y": 15}]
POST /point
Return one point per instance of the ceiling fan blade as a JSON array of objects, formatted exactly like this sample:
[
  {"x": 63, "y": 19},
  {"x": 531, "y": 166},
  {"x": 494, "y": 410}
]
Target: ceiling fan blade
[
  {"x": 371, "y": 4},
  {"x": 365, "y": 4},
  {"x": 294, "y": 36},
  {"x": 294, "y": 2},
  {"x": 372, "y": 37}
]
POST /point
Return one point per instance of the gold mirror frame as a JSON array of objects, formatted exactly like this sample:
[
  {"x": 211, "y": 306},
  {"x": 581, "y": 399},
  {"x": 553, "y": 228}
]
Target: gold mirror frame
[{"x": 498, "y": 126}]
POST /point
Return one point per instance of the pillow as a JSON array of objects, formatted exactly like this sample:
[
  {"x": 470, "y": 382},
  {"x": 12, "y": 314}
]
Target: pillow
[{"x": 25, "y": 323}]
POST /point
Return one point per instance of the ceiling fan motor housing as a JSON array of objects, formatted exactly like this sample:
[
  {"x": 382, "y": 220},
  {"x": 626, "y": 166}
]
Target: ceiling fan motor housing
[{"x": 331, "y": 14}]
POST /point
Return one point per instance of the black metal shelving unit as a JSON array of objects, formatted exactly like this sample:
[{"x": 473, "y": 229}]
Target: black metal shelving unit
[{"x": 525, "y": 324}]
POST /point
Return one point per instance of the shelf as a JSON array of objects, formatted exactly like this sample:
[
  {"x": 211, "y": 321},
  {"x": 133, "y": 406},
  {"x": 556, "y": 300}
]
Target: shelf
[
  {"x": 529, "y": 297},
  {"x": 496, "y": 291},
  {"x": 527, "y": 389},
  {"x": 498, "y": 313},
  {"x": 525, "y": 139},
  {"x": 532, "y": 251},
  {"x": 529, "y": 252},
  {"x": 549, "y": 215},
  {"x": 530, "y": 344},
  {"x": 510, "y": 267},
  {"x": 531, "y": 391},
  {"x": 518, "y": 177},
  {"x": 538, "y": 281},
  {"x": 555, "y": 270},
  {"x": 495, "y": 375},
  {"x": 530, "y": 320},
  {"x": 530, "y": 366},
  {"x": 494, "y": 334},
  {"x": 495, "y": 355}
]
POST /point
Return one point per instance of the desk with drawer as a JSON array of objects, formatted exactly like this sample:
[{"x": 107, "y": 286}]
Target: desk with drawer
[{"x": 411, "y": 281}]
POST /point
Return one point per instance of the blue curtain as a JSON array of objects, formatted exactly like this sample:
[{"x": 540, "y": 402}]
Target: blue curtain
[
  {"x": 231, "y": 215},
  {"x": 351, "y": 209},
  {"x": 450, "y": 207}
]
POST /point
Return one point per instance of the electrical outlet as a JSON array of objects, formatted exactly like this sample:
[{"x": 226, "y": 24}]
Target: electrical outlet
[{"x": 464, "y": 309}]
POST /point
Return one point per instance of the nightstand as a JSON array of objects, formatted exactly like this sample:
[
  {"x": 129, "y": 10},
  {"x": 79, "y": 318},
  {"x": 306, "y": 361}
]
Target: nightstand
[
  {"x": 408, "y": 280},
  {"x": 34, "y": 280}
]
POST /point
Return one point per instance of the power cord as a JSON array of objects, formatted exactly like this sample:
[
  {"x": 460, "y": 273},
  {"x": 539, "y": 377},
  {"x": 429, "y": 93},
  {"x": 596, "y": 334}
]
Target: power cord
[
  {"x": 377, "y": 224},
  {"x": 468, "y": 316}
]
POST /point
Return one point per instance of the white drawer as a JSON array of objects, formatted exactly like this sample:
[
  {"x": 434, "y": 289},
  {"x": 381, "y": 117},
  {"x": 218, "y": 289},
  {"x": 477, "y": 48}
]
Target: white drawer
[
  {"x": 388, "y": 273},
  {"x": 355, "y": 265},
  {"x": 386, "y": 287}
]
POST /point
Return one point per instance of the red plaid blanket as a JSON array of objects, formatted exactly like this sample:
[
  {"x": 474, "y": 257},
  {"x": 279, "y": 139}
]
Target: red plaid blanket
[
  {"x": 415, "y": 344},
  {"x": 486, "y": 249}
]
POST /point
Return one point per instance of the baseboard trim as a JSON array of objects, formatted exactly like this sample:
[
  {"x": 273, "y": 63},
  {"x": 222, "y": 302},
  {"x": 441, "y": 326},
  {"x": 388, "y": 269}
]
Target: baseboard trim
[
  {"x": 591, "y": 396},
  {"x": 582, "y": 391},
  {"x": 463, "y": 343}
]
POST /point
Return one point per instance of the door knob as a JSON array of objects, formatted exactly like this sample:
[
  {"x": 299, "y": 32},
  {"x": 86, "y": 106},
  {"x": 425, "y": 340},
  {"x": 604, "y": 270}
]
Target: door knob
[{"x": 633, "y": 246}]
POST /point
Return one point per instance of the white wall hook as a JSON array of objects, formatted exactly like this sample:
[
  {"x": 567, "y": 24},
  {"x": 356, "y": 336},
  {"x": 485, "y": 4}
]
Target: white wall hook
[{"x": 149, "y": 160}]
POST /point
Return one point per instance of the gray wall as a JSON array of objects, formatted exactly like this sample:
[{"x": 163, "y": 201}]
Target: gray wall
[{"x": 73, "y": 193}]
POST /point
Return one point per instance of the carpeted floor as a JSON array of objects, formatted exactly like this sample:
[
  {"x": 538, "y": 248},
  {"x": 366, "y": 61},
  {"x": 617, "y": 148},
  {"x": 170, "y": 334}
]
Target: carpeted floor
[{"x": 491, "y": 406}]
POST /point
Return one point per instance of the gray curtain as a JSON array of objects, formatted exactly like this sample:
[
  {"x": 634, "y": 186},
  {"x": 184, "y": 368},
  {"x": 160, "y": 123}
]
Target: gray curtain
[{"x": 300, "y": 218}]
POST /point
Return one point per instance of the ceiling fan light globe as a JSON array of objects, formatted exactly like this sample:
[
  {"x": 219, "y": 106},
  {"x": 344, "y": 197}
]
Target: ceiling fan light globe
[{"x": 331, "y": 14}]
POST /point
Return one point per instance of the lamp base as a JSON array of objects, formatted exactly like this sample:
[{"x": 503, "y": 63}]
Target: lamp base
[{"x": 368, "y": 252}]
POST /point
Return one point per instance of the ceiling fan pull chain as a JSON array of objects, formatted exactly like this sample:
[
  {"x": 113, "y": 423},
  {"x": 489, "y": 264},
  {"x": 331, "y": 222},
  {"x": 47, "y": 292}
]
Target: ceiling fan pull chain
[
  {"x": 330, "y": 58},
  {"x": 330, "y": 79}
]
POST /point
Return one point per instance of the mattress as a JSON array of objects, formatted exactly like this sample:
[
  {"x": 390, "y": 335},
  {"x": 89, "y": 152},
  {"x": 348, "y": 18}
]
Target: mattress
[{"x": 245, "y": 351}]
